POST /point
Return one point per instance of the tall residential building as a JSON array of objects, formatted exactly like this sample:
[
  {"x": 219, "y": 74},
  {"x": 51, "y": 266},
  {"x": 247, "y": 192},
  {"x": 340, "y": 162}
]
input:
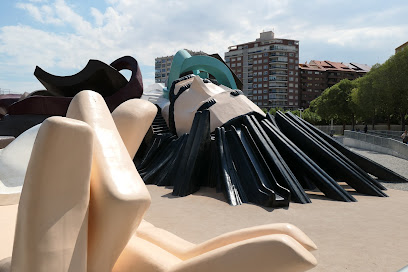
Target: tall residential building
[
  {"x": 268, "y": 68},
  {"x": 317, "y": 75},
  {"x": 162, "y": 66}
]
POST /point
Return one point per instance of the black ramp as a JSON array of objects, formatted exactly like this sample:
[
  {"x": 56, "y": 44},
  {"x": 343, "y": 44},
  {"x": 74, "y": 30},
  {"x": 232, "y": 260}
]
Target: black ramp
[
  {"x": 266, "y": 177},
  {"x": 187, "y": 179},
  {"x": 231, "y": 184},
  {"x": 300, "y": 160},
  {"x": 350, "y": 163},
  {"x": 276, "y": 163},
  {"x": 325, "y": 158},
  {"x": 364, "y": 163},
  {"x": 252, "y": 177}
]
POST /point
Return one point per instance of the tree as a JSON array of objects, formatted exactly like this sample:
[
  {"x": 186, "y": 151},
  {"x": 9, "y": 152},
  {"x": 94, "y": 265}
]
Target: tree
[
  {"x": 336, "y": 103},
  {"x": 366, "y": 97},
  {"x": 397, "y": 83}
]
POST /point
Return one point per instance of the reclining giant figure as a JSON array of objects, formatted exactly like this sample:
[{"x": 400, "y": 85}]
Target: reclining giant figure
[{"x": 82, "y": 159}]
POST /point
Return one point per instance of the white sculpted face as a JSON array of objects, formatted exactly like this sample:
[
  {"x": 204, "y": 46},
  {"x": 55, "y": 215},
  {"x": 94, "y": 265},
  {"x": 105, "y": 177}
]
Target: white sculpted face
[{"x": 227, "y": 105}]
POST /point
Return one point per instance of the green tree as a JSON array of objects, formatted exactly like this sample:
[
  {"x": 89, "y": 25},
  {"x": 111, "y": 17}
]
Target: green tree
[{"x": 336, "y": 103}]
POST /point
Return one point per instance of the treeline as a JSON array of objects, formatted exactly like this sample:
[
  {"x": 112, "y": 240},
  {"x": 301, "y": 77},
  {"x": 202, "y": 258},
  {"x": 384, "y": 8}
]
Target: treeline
[{"x": 379, "y": 96}]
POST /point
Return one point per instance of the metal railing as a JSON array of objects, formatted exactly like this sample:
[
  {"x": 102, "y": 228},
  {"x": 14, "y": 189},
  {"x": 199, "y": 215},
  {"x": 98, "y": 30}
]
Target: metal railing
[{"x": 377, "y": 143}]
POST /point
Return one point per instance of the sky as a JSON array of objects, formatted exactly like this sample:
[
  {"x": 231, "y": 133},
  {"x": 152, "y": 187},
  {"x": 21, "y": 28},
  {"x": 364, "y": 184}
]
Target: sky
[{"x": 60, "y": 36}]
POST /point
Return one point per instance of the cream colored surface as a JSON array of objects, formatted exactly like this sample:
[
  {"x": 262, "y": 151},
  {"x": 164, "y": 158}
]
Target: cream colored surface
[
  {"x": 186, "y": 250},
  {"x": 119, "y": 197},
  {"x": 52, "y": 221},
  {"x": 13, "y": 165},
  {"x": 277, "y": 252},
  {"x": 132, "y": 119},
  {"x": 226, "y": 107}
]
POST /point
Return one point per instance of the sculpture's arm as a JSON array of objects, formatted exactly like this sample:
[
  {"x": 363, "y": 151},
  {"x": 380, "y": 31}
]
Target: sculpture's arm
[
  {"x": 277, "y": 252},
  {"x": 185, "y": 250}
]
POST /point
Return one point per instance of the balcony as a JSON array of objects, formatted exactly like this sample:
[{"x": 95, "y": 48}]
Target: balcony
[{"x": 278, "y": 67}]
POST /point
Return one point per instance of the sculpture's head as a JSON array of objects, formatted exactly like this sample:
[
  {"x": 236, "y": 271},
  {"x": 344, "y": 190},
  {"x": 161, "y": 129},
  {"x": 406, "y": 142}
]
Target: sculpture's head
[{"x": 190, "y": 94}]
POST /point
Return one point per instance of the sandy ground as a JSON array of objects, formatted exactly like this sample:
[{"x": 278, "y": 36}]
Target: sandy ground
[{"x": 369, "y": 235}]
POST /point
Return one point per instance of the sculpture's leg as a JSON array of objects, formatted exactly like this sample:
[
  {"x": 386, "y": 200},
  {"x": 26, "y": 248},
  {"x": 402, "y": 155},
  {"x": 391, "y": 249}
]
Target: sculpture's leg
[
  {"x": 119, "y": 197},
  {"x": 52, "y": 220},
  {"x": 132, "y": 119},
  {"x": 186, "y": 250}
]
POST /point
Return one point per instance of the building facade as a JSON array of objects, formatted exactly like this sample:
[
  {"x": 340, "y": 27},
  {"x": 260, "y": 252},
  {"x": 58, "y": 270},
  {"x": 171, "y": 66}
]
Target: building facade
[
  {"x": 268, "y": 68},
  {"x": 316, "y": 76},
  {"x": 162, "y": 66},
  {"x": 401, "y": 47}
]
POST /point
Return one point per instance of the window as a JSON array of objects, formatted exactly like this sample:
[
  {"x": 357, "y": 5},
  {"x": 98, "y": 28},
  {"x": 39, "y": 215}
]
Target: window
[
  {"x": 296, "y": 85},
  {"x": 291, "y": 90},
  {"x": 255, "y": 56},
  {"x": 291, "y": 60},
  {"x": 259, "y": 97},
  {"x": 265, "y": 54},
  {"x": 290, "y": 84},
  {"x": 317, "y": 73},
  {"x": 259, "y": 73},
  {"x": 265, "y": 97},
  {"x": 265, "y": 91},
  {"x": 239, "y": 58},
  {"x": 255, "y": 79},
  {"x": 265, "y": 73},
  {"x": 255, "y": 62},
  {"x": 238, "y": 64},
  {"x": 265, "y": 78},
  {"x": 290, "y": 78},
  {"x": 265, "y": 84},
  {"x": 265, "y": 61},
  {"x": 291, "y": 66},
  {"x": 291, "y": 73},
  {"x": 255, "y": 92},
  {"x": 291, "y": 54},
  {"x": 290, "y": 103},
  {"x": 290, "y": 96},
  {"x": 265, "y": 66},
  {"x": 233, "y": 65}
]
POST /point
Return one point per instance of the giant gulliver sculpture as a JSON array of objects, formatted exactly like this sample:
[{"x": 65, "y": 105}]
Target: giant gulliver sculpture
[{"x": 83, "y": 201}]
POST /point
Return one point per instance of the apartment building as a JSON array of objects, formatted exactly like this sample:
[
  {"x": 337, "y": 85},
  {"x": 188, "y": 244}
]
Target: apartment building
[
  {"x": 316, "y": 76},
  {"x": 163, "y": 64},
  {"x": 268, "y": 68},
  {"x": 401, "y": 47}
]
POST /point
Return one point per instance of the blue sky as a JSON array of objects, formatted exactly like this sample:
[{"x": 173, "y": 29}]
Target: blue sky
[{"x": 61, "y": 36}]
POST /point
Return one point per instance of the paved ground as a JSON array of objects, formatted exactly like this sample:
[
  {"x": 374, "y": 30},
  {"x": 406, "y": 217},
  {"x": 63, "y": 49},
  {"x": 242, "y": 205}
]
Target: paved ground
[{"x": 396, "y": 164}]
